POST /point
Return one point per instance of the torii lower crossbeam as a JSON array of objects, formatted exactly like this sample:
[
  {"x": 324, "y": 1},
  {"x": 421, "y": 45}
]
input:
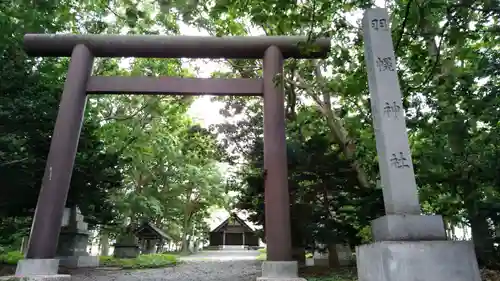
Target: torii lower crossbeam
[{"x": 175, "y": 86}]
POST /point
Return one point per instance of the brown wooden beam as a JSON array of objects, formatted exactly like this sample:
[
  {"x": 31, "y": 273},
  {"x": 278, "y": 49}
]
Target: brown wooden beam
[
  {"x": 60, "y": 161},
  {"x": 175, "y": 86},
  {"x": 158, "y": 46},
  {"x": 276, "y": 192}
]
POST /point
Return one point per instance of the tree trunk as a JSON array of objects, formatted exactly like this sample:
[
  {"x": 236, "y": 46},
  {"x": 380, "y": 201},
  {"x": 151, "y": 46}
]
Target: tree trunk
[
  {"x": 24, "y": 244},
  {"x": 339, "y": 133},
  {"x": 299, "y": 255},
  {"x": 184, "y": 243},
  {"x": 333, "y": 256},
  {"x": 482, "y": 237},
  {"x": 104, "y": 241}
]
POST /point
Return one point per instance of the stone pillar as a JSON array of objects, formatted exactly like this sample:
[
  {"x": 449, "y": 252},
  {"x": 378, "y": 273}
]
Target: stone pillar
[
  {"x": 73, "y": 241},
  {"x": 223, "y": 239},
  {"x": 279, "y": 264},
  {"x": 243, "y": 238},
  {"x": 58, "y": 169},
  {"x": 408, "y": 245}
]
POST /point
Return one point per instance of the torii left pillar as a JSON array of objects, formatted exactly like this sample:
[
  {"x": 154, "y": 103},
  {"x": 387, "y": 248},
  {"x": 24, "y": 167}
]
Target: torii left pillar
[{"x": 40, "y": 256}]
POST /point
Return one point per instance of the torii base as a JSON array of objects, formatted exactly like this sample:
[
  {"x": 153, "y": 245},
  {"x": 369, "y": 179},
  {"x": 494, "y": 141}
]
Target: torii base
[
  {"x": 280, "y": 271},
  {"x": 37, "y": 270}
]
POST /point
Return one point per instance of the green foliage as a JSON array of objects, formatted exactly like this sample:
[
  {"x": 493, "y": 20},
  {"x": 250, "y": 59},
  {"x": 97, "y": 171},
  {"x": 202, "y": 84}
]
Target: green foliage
[
  {"x": 30, "y": 92},
  {"x": 446, "y": 61},
  {"x": 262, "y": 257},
  {"x": 170, "y": 164},
  {"x": 326, "y": 204},
  {"x": 142, "y": 261},
  {"x": 12, "y": 231},
  {"x": 139, "y": 158},
  {"x": 11, "y": 258}
]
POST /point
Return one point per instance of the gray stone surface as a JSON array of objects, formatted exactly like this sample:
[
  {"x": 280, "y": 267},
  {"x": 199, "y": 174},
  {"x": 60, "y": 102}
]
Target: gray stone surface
[
  {"x": 28, "y": 267},
  {"x": 402, "y": 260},
  {"x": 344, "y": 255},
  {"x": 280, "y": 269},
  {"x": 320, "y": 258},
  {"x": 417, "y": 261},
  {"x": 126, "y": 251},
  {"x": 394, "y": 157},
  {"x": 57, "y": 277},
  {"x": 126, "y": 247},
  {"x": 79, "y": 261},
  {"x": 408, "y": 227},
  {"x": 73, "y": 243}
]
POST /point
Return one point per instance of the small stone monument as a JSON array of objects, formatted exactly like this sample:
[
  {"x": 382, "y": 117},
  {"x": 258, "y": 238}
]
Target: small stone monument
[
  {"x": 320, "y": 258},
  {"x": 344, "y": 255},
  {"x": 408, "y": 245},
  {"x": 127, "y": 246},
  {"x": 73, "y": 241}
]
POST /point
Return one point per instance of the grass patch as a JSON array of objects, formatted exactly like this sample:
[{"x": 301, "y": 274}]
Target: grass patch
[
  {"x": 263, "y": 250},
  {"x": 262, "y": 257},
  {"x": 142, "y": 261},
  {"x": 11, "y": 258}
]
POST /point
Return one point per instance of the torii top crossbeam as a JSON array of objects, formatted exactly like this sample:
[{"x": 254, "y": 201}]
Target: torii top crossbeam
[{"x": 159, "y": 46}]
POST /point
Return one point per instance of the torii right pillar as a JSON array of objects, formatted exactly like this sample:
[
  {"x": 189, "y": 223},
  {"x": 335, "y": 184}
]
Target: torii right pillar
[{"x": 408, "y": 246}]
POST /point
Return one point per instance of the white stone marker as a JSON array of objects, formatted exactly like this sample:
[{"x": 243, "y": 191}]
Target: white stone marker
[
  {"x": 396, "y": 168},
  {"x": 407, "y": 246}
]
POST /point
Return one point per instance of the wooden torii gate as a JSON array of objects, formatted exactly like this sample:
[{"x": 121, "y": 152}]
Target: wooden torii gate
[{"x": 83, "y": 48}]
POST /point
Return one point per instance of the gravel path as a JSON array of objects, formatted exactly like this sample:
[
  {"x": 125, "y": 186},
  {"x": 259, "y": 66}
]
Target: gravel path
[{"x": 190, "y": 270}]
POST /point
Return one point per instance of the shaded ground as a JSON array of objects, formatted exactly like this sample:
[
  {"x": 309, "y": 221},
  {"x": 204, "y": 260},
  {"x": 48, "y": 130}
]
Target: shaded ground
[
  {"x": 319, "y": 273},
  {"x": 6, "y": 270},
  {"x": 203, "y": 266}
]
